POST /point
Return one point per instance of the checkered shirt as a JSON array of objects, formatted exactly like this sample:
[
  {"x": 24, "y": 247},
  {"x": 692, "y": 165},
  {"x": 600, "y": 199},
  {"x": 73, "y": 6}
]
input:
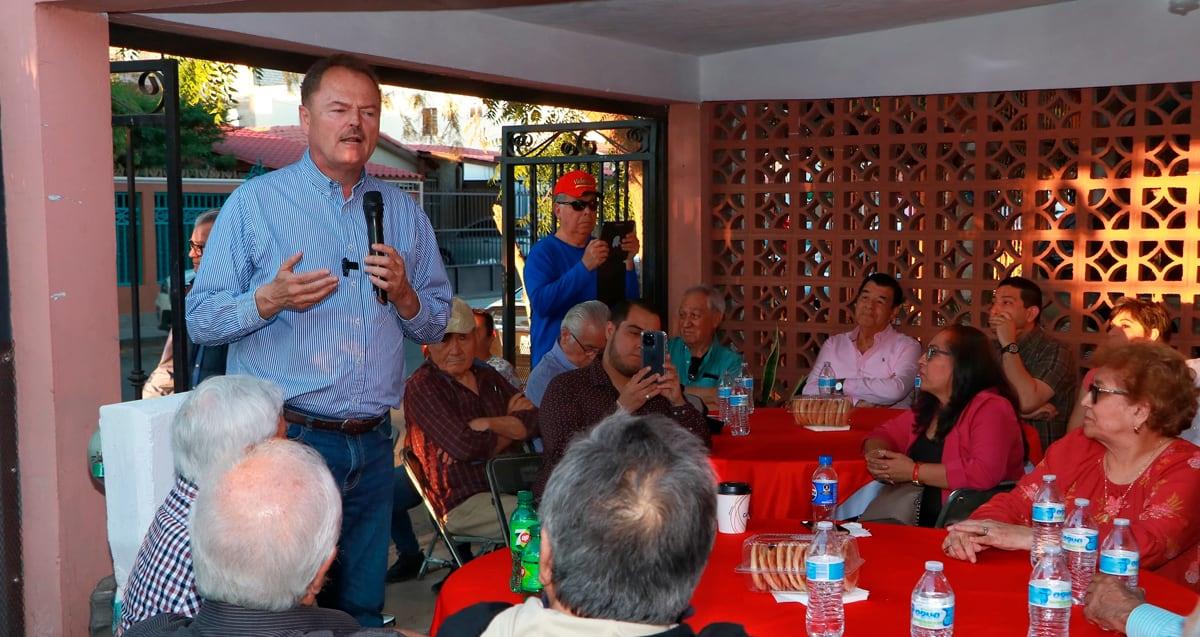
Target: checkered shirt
[{"x": 162, "y": 579}]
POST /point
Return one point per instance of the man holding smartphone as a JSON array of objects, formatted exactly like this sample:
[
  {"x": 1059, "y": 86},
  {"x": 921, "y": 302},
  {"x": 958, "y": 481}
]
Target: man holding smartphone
[{"x": 561, "y": 269}]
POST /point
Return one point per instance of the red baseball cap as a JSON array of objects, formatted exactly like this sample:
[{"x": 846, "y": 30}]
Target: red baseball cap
[{"x": 575, "y": 184}]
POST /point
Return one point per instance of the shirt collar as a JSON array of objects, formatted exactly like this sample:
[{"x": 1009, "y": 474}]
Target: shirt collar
[
  {"x": 596, "y": 374},
  {"x": 559, "y": 356},
  {"x": 322, "y": 181},
  {"x": 186, "y": 487}
]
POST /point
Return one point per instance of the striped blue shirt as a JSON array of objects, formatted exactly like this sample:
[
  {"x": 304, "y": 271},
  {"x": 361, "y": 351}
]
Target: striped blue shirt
[
  {"x": 343, "y": 357},
  {"x": 1148, "y": 620}
]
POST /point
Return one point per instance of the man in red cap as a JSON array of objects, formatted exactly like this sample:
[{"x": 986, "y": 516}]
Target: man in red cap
[{"x": 561, "y": 269}]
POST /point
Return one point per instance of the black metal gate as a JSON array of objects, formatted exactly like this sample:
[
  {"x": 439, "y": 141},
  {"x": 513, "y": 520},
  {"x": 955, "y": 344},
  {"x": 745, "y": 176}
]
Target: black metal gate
[
  {"x": 623, "y": 155},
  {"x": 12, "y": 577},
  {"x": 156, "y": 78}
]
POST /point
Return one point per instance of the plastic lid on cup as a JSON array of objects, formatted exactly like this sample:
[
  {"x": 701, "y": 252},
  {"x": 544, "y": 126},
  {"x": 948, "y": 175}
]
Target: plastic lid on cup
[
  {"x": 1049, "y": 477},
  {"x": 824, "y": 525},
  {"x": 824, "y": 461},
  {"x": 1082, "y": 502},
  {"x": 733, "y": 488},
  {"x": 934, "y": 566},
  {"x": 1121, "y": 522}
]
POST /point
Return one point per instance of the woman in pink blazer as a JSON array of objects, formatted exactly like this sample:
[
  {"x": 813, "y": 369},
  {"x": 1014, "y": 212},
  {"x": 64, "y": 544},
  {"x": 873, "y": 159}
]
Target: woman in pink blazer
[{"x": 962, "y": 430}]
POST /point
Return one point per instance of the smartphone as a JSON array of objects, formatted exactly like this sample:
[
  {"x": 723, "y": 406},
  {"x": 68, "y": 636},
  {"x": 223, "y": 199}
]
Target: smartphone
[
  {"x": 611, "y": 234},
  {"x": 654, "y": 351}
]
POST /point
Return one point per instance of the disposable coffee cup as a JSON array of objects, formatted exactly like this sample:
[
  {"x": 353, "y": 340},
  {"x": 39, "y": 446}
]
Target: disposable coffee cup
[{"x": 733, "y": 507}]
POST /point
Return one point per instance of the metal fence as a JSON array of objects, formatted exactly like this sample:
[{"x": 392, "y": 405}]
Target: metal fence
[{"x": 466, "y": 229}]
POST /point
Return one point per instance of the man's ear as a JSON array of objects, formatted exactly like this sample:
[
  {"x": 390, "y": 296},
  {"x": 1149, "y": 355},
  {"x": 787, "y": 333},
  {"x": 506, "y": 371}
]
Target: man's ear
[
  {"x": 318, "y": 581},
  {"x": 305, "y": 117}
]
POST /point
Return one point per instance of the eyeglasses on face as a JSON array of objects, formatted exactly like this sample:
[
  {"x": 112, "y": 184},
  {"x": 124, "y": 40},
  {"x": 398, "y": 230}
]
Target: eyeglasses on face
[
  {"x": 587, "y": 349},
  {"x": 933, "y": 350},
  {"x": 578, "y": 205},
  {"x": 1095, "y": 390},
  {"x": 198, "y": 247}
]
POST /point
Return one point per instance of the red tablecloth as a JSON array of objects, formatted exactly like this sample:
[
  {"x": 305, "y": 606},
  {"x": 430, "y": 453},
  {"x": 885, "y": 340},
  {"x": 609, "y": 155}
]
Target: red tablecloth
[
  {"x": 990, "y": 595},
  {"x": 778, "y": 459}
]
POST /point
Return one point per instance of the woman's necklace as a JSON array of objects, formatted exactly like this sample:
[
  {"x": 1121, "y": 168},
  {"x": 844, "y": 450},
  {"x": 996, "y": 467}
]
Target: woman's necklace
[{"x": 1129, "y": 487}]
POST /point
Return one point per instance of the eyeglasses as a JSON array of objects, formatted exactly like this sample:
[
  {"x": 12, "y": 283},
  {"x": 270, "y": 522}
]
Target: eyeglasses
[
  {"x": 198, "y": 247},
  {"x": 578, "y": 205},
  {"x": 1095, "y": 390},
  {"x": 934, "y": 351},
  {"x": 587, "y": 349}
]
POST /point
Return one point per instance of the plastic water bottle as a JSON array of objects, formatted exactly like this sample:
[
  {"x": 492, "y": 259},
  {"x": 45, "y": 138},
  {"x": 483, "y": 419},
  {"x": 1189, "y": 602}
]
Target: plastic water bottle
[
  {"x": 724, "y": 392},
  {"x": 1050, "y": 595},
  {"x": 1081, "y": 542},
  {"x": 1049, "y": 514},
  {"x": 1119, "y": 554},
  {"x": 522, "y": 520},
  {"x": 824, "y": 490},
  {"x": 739, "y": 420},
  {"x": 745, "y": 382},
  {"x": 932, "y": 604},
  {"x": 826, "y": 381},
  {"x": 824, "y": 568}
]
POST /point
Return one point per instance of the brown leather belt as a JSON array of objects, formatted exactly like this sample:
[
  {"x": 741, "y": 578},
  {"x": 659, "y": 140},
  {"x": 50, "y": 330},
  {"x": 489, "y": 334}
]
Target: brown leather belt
[{"x": 352, "y": 426}]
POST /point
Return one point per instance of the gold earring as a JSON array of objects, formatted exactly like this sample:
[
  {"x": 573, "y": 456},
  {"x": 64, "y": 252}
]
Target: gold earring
[{"x": 1137, "y": 429}]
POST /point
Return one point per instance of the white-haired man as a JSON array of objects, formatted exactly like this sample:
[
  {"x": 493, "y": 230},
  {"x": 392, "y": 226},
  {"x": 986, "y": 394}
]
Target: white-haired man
[
  {"x": 213, "y": 428},
  {"x": 263, "y": 539},
  {"x": 581, "y": 337}
]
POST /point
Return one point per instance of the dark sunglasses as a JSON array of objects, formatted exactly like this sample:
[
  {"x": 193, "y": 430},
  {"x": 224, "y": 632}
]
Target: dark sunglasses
[
  {"x": 1095, "y": 391},
  {"x": 934, "y": 351},
  {"x": 578, "y": 206},
  {"x": 198, "y": 247}
]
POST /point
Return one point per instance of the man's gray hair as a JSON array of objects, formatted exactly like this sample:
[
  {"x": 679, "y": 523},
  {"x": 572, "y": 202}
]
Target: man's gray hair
[
  {"x": 593, "y": 312},
  {"x": 208, "y": 216},
  {"x": 217, "y": 422},
  {"x": 716, "y": 301},
  {"x": 631, "y": 515},
  {"x": 265, "y": 529}
]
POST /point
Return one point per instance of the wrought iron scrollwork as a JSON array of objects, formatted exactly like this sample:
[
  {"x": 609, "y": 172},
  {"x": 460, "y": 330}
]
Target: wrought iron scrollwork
[{"x": 151, "y": 83}]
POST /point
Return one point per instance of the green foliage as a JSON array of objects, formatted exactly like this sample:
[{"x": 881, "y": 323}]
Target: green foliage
[{"x": 520, "y": 113}]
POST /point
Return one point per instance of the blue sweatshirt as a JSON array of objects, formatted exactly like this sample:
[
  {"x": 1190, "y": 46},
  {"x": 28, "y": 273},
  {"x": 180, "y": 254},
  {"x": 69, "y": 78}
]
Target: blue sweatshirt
[{"x": 556, "y": 281}]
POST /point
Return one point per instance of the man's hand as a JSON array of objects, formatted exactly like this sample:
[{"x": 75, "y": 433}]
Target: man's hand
[
  {"x": 1002, "y": 325},
  {"x": 389, "y": 274},
  {"x": 631, "y": 245},
  {"x": 518, "y": 403},
  {"x": 668, "y": 385},
  {"x": 1109, "y": 602},
  {"x": 594, "y": 254},
  {"x": 641, "y": 387},
  {"x": 479, "y": 424},
  {"x": 291, "y": 291}
]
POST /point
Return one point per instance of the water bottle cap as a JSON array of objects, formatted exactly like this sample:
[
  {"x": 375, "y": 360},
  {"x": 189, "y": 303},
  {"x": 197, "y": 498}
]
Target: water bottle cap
[
  {"x": 934, "y": 566},
  {"x": 1120, "y": 522},
  {"x": 824, "y": 525},
  {"x": 1082, "y": 502},
  {"x": 1049, "y": 477},
  {"x": 825, "y": 461}
]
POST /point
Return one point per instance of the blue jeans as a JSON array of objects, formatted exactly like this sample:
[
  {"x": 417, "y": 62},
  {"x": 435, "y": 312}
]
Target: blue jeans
[
  {"x": 404, "y": 498},
  {"x": 362, "y": 468}
]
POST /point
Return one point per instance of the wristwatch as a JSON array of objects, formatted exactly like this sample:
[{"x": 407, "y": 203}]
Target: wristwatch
[
  {"x": 839, "y": 386},
  {"x": 1011, "y": 348}
]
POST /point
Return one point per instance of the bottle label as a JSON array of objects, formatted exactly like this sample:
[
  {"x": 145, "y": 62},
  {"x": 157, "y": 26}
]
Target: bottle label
[
  {"x": 1080, "y": 540},
  {"x": 1050, "y": 593},
  {"x": 519, "y": 539},
  {"x": 824, "y": 492},
  {"x": 932, "y": 613},
  {"x": 826, "y": 383},
  {"x": 1049, "y": 512},
  {"x": 824, "y": 568},
  {"x": 724, "y": 391},
  {"x": 529, "y": 578},
  {"x": 1119, "y": 563},
  {"x": 747, "y": 382}
]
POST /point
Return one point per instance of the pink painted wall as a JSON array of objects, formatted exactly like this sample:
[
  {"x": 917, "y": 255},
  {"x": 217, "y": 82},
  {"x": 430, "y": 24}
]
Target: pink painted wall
[
  {"x": 58, "y": 185},
  {"x": 684, "y": 207}
]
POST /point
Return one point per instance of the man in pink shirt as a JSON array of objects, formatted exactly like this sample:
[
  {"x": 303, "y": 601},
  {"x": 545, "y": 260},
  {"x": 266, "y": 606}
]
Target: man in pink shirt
[{"x": 875, "y": 365}]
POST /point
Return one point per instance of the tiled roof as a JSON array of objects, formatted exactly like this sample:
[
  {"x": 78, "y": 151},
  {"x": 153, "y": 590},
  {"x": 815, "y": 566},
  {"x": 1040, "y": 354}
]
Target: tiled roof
[
  {"x": 279, "y": 146},
  {"x": 456, "y": 153}
]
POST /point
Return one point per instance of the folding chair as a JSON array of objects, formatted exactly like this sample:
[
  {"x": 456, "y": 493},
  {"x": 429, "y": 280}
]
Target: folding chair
[
  {"x": 963, "y": 502},
  {"x": 416, "y": 473},
  {"x": 508, "y": 475}
]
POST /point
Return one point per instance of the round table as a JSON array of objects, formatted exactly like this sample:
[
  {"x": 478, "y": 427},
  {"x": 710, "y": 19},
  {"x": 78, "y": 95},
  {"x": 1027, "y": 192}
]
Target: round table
[
  {"x": 990, "y": 595},
  {"x": 778, "y": 458}
]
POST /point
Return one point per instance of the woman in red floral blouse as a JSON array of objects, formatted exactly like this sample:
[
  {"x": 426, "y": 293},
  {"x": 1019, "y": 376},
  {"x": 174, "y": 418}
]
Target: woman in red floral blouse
[{"x": 1127, "y": 459}]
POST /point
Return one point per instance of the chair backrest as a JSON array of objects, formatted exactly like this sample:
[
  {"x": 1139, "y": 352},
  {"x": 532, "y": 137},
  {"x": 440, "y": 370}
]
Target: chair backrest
[
  {"x": 697, "y": 402},
  {"x": 416, "y": 473},
  {"x": 508, "y": 475},
  {"x": 962, "y": 503}
]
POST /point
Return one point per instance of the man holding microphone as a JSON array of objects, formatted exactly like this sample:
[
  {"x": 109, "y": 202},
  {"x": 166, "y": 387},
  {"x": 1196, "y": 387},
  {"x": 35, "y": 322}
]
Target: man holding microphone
[{"x": 289, "y": 281}]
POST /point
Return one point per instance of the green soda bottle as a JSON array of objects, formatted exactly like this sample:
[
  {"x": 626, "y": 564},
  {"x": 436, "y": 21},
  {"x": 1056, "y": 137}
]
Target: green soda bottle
[
  {"x": 523, "y": 517},
  {"x": 529, "y": 561}
]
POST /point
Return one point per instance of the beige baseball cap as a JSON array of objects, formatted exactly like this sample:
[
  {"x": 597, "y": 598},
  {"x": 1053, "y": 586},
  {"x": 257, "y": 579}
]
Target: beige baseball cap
[{"x": 462, "y": 320}]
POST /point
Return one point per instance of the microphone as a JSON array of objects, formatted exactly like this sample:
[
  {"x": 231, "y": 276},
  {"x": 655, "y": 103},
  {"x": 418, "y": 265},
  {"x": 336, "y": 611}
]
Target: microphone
[{"x": 373, "y": 209}]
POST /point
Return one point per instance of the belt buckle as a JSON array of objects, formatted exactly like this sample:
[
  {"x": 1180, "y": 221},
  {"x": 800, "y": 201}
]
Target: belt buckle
[{"x": 342, "y": 426}]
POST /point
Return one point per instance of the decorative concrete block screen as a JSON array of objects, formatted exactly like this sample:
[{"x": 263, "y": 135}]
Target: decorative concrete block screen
[{"x": 1091, "y": 192}]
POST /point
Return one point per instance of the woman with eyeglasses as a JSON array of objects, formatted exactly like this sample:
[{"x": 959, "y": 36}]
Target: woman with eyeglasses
[
  {"x": 1127, "y": 459},
  {"x": 962, "y": 430}
]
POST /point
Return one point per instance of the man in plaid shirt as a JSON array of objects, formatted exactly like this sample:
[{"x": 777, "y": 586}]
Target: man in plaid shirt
[{"x": 214, "y": 426}]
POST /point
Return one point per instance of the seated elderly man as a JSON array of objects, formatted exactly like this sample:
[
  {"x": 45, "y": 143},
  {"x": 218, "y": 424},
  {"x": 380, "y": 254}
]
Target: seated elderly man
[
  {"x": 263, "y": 538},
  {"x": 695, "y": 352},
  {"x": 580, "y": 338},
  {"x": 460, "y": 412},
  {"x": 212, "y": 429},
  {"x": 577, "y": 400},
  {"x": 874, "y": 364},
  {"x": 628, "y": 521}
]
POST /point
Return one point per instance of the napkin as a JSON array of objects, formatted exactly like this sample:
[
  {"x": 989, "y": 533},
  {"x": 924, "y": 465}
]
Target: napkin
[
  {"x": 855, "y": 529},
  {"x": 827, "y": 427},
  {"x": 849, "y": 597}
]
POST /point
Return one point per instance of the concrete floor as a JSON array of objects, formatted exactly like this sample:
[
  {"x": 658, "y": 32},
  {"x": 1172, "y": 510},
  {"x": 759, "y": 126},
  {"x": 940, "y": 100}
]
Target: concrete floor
[{"x": 412, "y": 601}]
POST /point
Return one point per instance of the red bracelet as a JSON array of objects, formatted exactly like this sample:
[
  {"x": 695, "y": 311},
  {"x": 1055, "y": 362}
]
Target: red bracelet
[{"x": 916, "y": 477}]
